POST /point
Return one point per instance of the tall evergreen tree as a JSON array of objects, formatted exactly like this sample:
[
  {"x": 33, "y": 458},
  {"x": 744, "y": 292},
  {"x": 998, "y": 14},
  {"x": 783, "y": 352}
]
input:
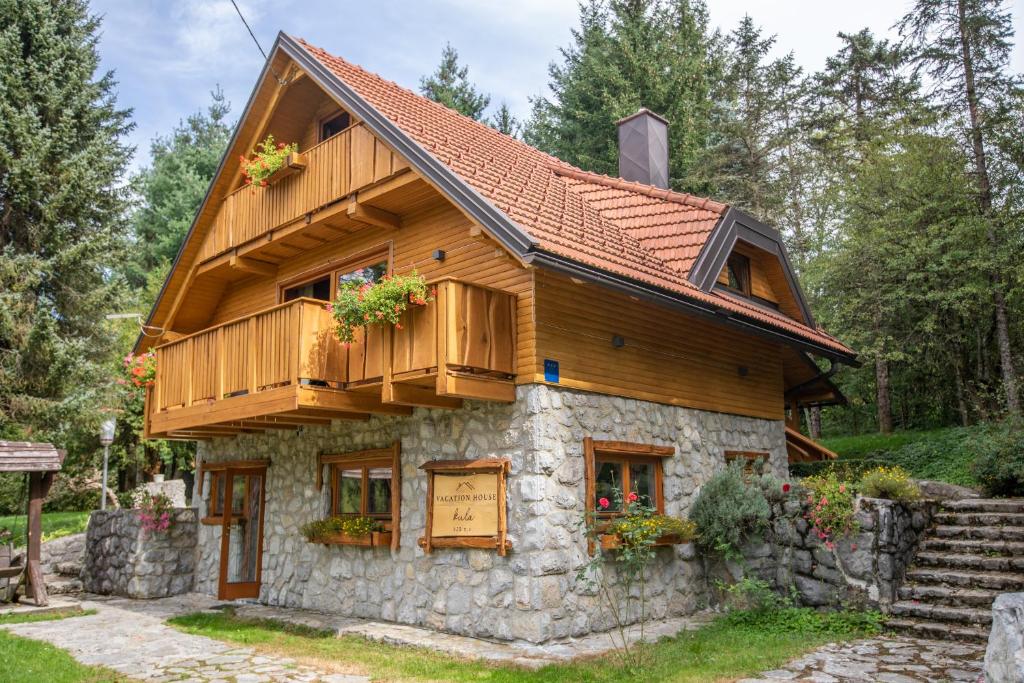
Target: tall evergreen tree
[
  {"x": 171, "y": 189},
  {"x": 62, "y": 155},
  {"x": 450, "y": 86},
  {"x": 964, "y": 46},
  {"x": 505, "y": 122},
  {"x": 628, "y": 54}
]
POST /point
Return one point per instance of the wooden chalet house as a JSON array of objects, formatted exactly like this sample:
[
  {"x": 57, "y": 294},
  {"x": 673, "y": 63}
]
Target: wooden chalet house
[{"x": 588, "y": 333}]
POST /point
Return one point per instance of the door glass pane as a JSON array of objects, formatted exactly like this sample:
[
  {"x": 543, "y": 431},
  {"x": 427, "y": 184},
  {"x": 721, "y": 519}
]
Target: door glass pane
[
  {"x": 380, "y": 491},
  {"x": 350, "y": 484},
  {"x": 641, "y": 481},
  {"x": 218, "y": 495},
  {"x": 370, "y": 273},
  {"x": 609, "y": 480},
  {"x": 244, "y": 528}
]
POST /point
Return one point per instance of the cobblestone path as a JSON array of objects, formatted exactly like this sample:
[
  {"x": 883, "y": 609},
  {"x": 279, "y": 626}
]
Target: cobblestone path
[
  {"x": 890, "y": 659},
  {"x": 141, "y": 646}
]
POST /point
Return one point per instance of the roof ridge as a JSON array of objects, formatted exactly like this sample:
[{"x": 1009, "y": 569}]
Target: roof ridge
[{"x": 562, "y": 168}]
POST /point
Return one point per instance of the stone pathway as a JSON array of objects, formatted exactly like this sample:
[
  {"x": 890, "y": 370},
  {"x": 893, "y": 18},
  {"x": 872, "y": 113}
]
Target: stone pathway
[
  {"x": 136, "y": 643},
  {"x": 886, "y": 659}
]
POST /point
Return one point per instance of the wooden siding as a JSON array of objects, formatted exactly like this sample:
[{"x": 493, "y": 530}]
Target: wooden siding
[
  {"x": 767, "y": 280},
  {"x": 468, "y": 257},
  {"x": 668, "y": 357}
]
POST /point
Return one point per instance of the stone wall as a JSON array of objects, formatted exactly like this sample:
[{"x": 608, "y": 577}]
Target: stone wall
[
  {"x": 62, "y": 556},
  {"x": 123, "y": 559},
  {"x": 864, "y": 568},
  {"x": 532, "y": 593},
  {"x": 1004, "y": 658}
]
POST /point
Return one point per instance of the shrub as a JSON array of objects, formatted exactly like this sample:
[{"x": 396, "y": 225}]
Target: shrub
[
  {"x": 728, "y": 510},
  {"x": 1000, "y": 462},
  {"x": 361, "y": 303},
  {"x": 752, "y": 595},
  {"x": 155, "y": 512},
  {"x": 831, "y": 510},
  {"x": 893, "y": 483}
]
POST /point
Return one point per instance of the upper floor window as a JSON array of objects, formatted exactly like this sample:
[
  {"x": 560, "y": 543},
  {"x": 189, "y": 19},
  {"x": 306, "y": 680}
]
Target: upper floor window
[
  {"x": 334, "y": 125},
  {"x": 738, "y": 270},
  {"x": 615, "y": 469},
  {"x": 317, "y": 289},
  {"x": 324, "y": 284}
]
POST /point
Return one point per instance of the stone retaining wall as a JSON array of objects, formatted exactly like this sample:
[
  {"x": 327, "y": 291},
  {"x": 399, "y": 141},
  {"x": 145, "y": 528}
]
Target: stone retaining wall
[
  {"x": 123, "y": 559},
  {"x": 531, "y": 594},
  {"x": 866, "y": 567},
  {"x": 63, "y": 556}
]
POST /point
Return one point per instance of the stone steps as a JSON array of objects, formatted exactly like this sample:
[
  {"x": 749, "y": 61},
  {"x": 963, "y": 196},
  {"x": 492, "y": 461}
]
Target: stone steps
[
  {"x": 939, "y": 630},
  {"x": 949, "y": 595},
  {"x": 965, "y": 532},
  {"x": 923, "y": 611},
  {"x": 971, "y": 546},
  {"x": 985, "y": 505},
  {"x": 988, "y": 563},
  {"x": 981, "y": 518},
  {"x": 63, "y": 586},
  {"x": 970, "y": 579}
]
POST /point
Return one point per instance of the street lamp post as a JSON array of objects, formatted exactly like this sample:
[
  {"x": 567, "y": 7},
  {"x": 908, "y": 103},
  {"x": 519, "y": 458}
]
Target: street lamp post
[{"x": 106, "y": 438}]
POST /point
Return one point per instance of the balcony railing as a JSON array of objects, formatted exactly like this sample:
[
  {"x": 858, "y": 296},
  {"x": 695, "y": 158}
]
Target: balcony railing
[
  {"x": 333, "y": 169},
  {"x": 462, "y": 345}
]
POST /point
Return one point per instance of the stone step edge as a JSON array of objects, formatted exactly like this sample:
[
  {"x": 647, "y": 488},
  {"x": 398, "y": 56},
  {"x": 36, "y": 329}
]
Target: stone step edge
[
  {"x": 944, "y": 613},
  {"x": 938, "y": 630}
]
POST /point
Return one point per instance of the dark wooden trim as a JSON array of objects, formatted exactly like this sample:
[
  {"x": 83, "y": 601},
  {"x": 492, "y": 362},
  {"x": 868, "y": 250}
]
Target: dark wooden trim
[
  {"x": 396, "y": 494},
  {"x": 481, "y": 464},
  {"x": 499, "y": 542},
  {"x": 630, "y": 448}
]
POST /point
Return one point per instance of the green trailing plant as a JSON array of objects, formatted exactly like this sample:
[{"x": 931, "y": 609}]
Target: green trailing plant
[
  {"x": 830, "y": 502},
  {"x": 360, "y": 303},
  {"x": 893, "y": 483},
  {"x": 728, "y": 510},
  {"x": 320, "y": 529},
  {"x": 266, "y": 159}
]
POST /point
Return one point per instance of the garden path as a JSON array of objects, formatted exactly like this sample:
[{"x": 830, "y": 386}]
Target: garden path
[{"x": 885, "y": 659}]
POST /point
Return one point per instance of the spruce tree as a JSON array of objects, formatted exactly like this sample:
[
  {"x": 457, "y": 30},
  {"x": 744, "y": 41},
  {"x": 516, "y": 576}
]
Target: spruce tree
[
  {"x": 62, "y": 155},
  {"x": 505, "y": 122},
  {"x": 450, "y": 86}
]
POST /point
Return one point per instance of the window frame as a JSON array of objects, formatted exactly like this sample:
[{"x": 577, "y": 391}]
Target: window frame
[
  {"x": 324, "y": 120},
  {"x": 750, "y": 457},
  {"x": 745, "y": 284},
  {"x": 334, "y": 269},
  {"x": 390, "y": 457},
  {"x": 218, "y": 474},
  {"x": 595, "y": 451}
]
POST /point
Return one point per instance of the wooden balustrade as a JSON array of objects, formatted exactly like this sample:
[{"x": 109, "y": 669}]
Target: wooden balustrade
[
  {"x": 462, "y": 345},
  {"x": 334, "y": 169}
]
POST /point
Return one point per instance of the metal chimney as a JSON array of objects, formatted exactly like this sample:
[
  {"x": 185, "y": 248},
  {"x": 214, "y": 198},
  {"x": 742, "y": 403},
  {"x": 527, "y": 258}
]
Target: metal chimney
[{"x": 643, "y": 148}]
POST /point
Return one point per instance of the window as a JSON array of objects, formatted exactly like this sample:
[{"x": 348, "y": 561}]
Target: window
[
  {"x": 369, "y": 273},
  {"x": 364, "y": 484},
  {"x": 323, "y": 284},
  {"x": 749, "y": 458},
  {"x": 614, "y": 469},
  {"x": 317, "y": 289},
  {"x": 334, "y": 125},
  {"x": 738, "y": 270},
  {"x": 218, "y": 474},
  {"x": 215, "y": 508}
]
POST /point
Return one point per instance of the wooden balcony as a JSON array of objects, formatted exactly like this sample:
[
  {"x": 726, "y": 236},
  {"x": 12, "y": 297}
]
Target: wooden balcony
[
  {"x": 284, "y": 367},
  {"x": 341, "y": 165}
]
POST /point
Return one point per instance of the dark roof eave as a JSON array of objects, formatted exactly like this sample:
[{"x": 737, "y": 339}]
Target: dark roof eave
[{"x": 683, "y": 303}]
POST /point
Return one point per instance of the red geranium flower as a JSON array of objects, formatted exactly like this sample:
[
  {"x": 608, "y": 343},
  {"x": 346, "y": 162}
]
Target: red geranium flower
[
  {"x": 633, "y": 497},
  {"x": 785, "y": 488},
  {"x": 603, "y": 502}
]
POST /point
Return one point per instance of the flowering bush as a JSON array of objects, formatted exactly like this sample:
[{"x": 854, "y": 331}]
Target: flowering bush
[
  {"x": 155, "y": 512},
  {"x": 332, "y": 526},
  {"x": 266, "y": 158},
  {"x": 362, "y": 303},
  {"x": 893, "y": 483},
  {"x": 831, "y": 511},
  {"x": 141, "y": 369}
]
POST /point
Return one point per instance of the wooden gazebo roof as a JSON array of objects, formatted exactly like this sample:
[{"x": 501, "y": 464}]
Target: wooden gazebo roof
[{"x": 26, "y": 456}]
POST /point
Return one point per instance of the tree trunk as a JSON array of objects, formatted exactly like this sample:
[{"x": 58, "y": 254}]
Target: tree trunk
[
  {"x": 814, "y": 422},
  {"x": 961, "y": 398},
  {"x": 1009, "y": 373},
  {"x": 883, "y": 398}
]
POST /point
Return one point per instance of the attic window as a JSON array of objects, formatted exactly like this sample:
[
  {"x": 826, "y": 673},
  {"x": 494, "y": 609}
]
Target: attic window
[
  {"x": 334, "y": 125},
  {"x": 738, "y": 270}
]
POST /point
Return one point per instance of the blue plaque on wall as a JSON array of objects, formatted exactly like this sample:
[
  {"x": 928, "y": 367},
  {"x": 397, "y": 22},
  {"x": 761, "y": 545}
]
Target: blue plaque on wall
[{"x": 550, "y": 370}]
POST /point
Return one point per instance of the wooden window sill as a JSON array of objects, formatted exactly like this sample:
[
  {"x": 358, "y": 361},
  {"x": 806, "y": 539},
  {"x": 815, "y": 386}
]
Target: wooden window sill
[
  {"x": 376, "y": 539},
  {"x": 612, "y": 541}
]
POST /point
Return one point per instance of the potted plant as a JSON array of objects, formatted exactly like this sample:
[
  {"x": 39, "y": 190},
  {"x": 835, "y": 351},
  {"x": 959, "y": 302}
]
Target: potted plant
[
  {"x": 141, "y": 369},
  {"x": 340, "y": 531},
  {"x": 360, "y": 304},
  {"x": 271, "y": 161},
  {"x": 643, "y": 527}
]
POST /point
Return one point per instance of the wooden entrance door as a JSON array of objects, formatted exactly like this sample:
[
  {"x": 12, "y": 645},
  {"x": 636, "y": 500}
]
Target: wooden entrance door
[{"x": 241, "y": 543}]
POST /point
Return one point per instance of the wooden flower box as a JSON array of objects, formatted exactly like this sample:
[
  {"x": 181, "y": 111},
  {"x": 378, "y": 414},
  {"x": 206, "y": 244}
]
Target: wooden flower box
[
  {"x": 293, "y": 163},
  {"x": 347, "y": 539},
  {"x": 381, "y": 539},
  {"x": 612, "y": 541}
]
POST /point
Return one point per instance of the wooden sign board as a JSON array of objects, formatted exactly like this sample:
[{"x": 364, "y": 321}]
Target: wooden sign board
[{"x": 466, "y": 504}]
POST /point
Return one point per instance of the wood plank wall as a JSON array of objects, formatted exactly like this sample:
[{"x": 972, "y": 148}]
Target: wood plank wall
[{"x": 668, "y": 357}]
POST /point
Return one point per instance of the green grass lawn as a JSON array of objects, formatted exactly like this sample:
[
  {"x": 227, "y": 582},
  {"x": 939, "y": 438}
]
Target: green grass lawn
[
  {"x": 939, "y": 454},
  {"x": 55, "y": 525},
  {"x": 731, "y": 647},
  {"x": 23, "y": 660}
]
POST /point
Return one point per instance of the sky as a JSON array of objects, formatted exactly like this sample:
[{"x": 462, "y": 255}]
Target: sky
[{"x": 168, "y": 56}]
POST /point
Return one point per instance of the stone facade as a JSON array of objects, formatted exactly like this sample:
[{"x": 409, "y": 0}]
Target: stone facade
[
  {"x": 866, "y": 567},
  {"x": 531, "y": 594},
  {"x": 123, "y": 559},
  {"x": 1004, "y": 658}
]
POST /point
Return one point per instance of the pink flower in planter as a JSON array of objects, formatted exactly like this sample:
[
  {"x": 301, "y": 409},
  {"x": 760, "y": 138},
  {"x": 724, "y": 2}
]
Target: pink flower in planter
[
  {"x": 603, "y": 502},
  {"x": 633, "y": 497}
]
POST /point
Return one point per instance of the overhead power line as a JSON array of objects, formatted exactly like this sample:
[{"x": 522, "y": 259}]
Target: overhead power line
[{"x": 256, "y": 40}]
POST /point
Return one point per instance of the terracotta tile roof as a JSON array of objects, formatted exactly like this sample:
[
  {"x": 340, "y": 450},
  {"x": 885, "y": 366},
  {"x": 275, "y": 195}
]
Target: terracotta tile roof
[{"x": 641, "y": 232}]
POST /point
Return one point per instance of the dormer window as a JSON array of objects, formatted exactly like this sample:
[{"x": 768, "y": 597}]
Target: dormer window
[
  {"x": 334, "y": 125},
  {"x": 738, "y": 270}
]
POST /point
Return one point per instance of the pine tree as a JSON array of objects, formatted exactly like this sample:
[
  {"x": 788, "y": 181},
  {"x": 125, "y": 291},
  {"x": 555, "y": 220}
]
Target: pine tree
[
  {"x": 964, "y": 46},
  {"x": 450, "y": 86},
  {"x": 504, "y": 122},
  {"x": 628, "y": 54},
  {"x": 62, "y": 155},
  {"x": 171, "y": 189}
]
